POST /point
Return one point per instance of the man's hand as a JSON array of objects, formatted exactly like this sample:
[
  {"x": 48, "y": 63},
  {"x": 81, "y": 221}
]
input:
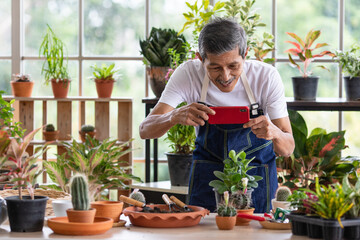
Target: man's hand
[
  {"x": 194, "y": 114},
  {"x": 262, "y": 127}
]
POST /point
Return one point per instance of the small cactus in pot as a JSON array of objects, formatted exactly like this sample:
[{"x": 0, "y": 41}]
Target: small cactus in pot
[
  {"x": 87, "y": 129},
  {"x": 81, "y": 211},
  {"x": 226, "y": 218},
  {"x": 137, "y": 195},
  {"x": 49, "y": 133},
  {"x": 280, "y": 200}
]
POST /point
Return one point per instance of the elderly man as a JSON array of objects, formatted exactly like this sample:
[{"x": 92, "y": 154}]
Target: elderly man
[{"x": 222, "y": 77}]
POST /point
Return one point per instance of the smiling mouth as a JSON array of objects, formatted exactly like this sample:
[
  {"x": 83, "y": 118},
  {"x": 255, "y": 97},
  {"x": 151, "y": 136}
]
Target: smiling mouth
[{"x": 225, "y": 83}]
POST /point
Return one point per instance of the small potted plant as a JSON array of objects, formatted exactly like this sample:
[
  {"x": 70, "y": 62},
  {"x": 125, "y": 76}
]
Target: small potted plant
[
  {"x": 238, "y": 182},
  {"x": 182, "y": 141},
  {"x": 350, "y": 65},
  {"x": 81, "y": 211},
  {"x": 22, "y": 85},
  {"x": 87, "y": 130},
  {"x": 226, "y": 214},
  {"x": 55, "y": 68},
  {"x": 305, "y": 86},
  {"x": 49, "y": 133},
  {"x": 280, "y": 200},
  {"x": 104, "y": 78},
  {"x": 296, "y": 200}
]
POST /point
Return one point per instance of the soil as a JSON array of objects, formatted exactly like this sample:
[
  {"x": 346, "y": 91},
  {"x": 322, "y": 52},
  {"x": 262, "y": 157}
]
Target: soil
[{"x": 158, "y": 210}]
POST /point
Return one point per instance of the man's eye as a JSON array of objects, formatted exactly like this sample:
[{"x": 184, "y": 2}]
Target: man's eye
[{"x": 233, "y": 66}]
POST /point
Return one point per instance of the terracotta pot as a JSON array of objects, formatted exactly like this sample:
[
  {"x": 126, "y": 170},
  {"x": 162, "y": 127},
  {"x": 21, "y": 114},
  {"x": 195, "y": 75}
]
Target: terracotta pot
[
  {"x": 22, "y": 89},
  {"x": 83, "y": 134},
  {"x": 60, "y": 88},
  {"x": 51, "y": 136},
  {"x": 79, "y": 216},
  {"x": 109, "y": 209},
  {"x": 244, "y": 221},
  {"x": 225, "y": 223},
  {"x": 104, "y": 88},
  {"x": 157, "y": 80}
]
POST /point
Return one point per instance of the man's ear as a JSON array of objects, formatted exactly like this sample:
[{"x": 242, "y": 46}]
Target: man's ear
[{"x": 198, "y": 56}]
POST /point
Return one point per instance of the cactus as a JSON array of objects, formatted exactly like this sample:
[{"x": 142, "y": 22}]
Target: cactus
[
  {"x": 241, "y": 200},
  {"x": 87, "y": 128},
  {"x": 226, "y": 209},
  {"x": 282, "y": 193},
  {"x": 137, "y": 195},
  {"x": 79, "y": 193},
  {"x": 49, "y": 128}
]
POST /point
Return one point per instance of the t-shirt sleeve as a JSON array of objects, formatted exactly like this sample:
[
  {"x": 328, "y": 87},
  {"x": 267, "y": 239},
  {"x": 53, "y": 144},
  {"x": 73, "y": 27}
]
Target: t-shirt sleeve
[
  {"x": 176, "y": 88},
  {"x": 276, "y": 103}
]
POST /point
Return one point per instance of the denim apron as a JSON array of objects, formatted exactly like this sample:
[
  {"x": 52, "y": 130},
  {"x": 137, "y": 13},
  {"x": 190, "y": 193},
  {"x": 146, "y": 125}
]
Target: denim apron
[{"x": 213, "y": 145}]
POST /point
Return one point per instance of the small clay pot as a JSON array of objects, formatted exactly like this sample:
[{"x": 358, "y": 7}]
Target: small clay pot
[
  {"x": 51, "y": 136},
  {"x": 60, "y": 88},
  {"x": 104, "y": 88},
  {"x": 109, "y": 209},
  {"x": 22, "y": 89},
  {"x": 83, "y": 134},
  {"x": 244, "y": 221},
  {"x": 85, "y": 216},
  {"x": 225, "y": 223}
]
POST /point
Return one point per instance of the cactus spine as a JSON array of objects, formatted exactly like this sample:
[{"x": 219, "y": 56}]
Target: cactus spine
[
  {"x": 49, "y": 128},
  {"x": 137, "y": 195},
  {"x": 240, "y": 200},
  {"x": 87, "y": 128},
  {"x": 79, "y": 193},
  {"x": 282, "y": 193}
]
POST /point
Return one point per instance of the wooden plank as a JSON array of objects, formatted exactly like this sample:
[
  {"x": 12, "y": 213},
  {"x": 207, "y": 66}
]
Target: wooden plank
[
  {"x": 125, "y": 127},
  {"x": 26, "y": 115},
  {"x": 64, "y": 120},
  {"x": 68, "y": 99},
  {"x": 82, "y": 113},
  {"x": 102, "y": 120}
]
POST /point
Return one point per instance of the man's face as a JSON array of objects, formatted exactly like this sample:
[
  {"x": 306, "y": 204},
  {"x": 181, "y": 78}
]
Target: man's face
[{"x": 224, "y": 70}]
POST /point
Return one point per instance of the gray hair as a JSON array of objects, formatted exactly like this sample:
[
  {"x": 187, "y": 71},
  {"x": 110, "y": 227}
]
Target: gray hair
[{"x": 221, "y": 35}]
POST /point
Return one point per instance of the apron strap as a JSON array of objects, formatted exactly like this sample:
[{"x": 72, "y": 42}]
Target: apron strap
[{"x": 204, "y": 88}]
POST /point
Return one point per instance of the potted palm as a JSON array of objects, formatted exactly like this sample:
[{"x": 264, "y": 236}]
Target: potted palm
[
  {"x": 22, "y": 85},
  {"x": 55, "y": 68},
  {"x": 156, "y": 56},
  {"x": 26, "y": 213},
  {"x": 350, "y": 64},
  {"x": 226, "y": 214},
  {"x": 182, "y": 142},
  {"x": 305, "y": 86},
  {"x": 50, "y": 134},
  {"x": 104, "y": 79}
]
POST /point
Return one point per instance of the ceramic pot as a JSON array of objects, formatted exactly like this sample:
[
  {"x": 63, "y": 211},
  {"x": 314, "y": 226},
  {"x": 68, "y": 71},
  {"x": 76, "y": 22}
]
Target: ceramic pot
[
  {"x": 51, "y": 136},
  {"x": 83, "y": 134},
  {"x": 352, "y": 88},
  {"x": 104, "y": 88},
  {"x": 3, "y": 210},
  {"x": 225, "y": 223},
  {"x": 60, "y": 88},
  {"x": 179, "y": 168},
  {"x": 244, "y": 221},
  {"x": 22, "y": 89},
  {"x": 26, "y": 215},
  {"x": 305, "y": 88},
  {"x": 60, "y": 207},
  {"x": 79, "y": 216},
  {"x": 156, "y": 76},
  {"x": 280, "y": 204},
  {"x": 109, "y": 209}
]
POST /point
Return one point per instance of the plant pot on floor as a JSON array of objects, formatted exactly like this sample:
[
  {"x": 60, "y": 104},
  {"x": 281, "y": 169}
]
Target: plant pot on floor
[
  {"x": 108, "y": 209},
  {"x": 104, "y": 88},
  {"x": 22, "y": 89},
  {"x": 26, "y": 215},
  {"x": 156, "y": 76},
  {"x": 81, "y": 216},
  {"x": 51, "y": 136},
  {"x": 60, "y": 88},
  {"x": 305, "y": 88},
  {"x": 225, "y": 223},
  {"x": 179, "y": 168},
  {"x": 352, "y": 88}
]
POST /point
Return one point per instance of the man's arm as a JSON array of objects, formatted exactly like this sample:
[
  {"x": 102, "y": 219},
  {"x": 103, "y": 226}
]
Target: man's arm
[
  {"x": 277, "y": 130},
  {"x": 163, "y": 117}
]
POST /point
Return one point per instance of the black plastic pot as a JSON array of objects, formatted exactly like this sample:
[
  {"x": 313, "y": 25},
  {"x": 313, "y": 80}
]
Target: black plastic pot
[
  {"x": 179, "y": 168},
  {"x": 314, "y": 230},
  {"x": 305, "y": 88},
  {"x": 352, "y": 232},
  {"x": 298, "y": 227},
  {"x": 331, "y": 232},
  {"x": 352, "y": 88},
  {"x": 26, "y": 215}
]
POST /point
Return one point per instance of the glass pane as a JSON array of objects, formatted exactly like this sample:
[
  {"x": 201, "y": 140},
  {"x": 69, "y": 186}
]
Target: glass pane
[
  {"x": 352, "y": 127},
  {"x": 40, "y": 89},
  {"x": 5, "y": 28},
  {"x": 352, "y": 23},
  {"x": 61, "y": 15},
  {"x": 5, "y": 76},
  {"x": 301, "y": 16},
  {"x": 113, "y": 27},
  {"x": 327, "y": 120},
  {"x": 130, "y": 85}
]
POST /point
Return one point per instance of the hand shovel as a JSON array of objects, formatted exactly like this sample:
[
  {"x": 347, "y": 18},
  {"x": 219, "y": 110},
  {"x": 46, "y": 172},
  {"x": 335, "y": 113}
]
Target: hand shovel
[
  {"x": 136, "y": 203},
  {"x": 181, "y": 204},
  {"x": 170, "y": 203}
]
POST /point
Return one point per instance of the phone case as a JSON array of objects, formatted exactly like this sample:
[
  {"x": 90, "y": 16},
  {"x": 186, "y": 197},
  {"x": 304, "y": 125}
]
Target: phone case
[{"x": 230, "y": 115}]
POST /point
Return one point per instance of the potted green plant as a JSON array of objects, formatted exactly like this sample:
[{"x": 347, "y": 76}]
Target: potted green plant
[
  {"x": 7, "y": 115},
  {"x": 87, "y": 129},
  {"x": 305, "y": 86},
  {"x": 26, "y": 213},
  {"x": 104, "y": 78},
  {"x": 22, "y": 85},
  {"x": 350, "y": 64},
  {"x": 155, "y": 52},
  {"x": 238, "y": 182},
  {"x": 182, "y": 142},
  {"x": 55, "y": 68},
  {"x": 49, "y": 133},
  {"x": 281, "y": 198},
  {"x": 226, "y": 214}
]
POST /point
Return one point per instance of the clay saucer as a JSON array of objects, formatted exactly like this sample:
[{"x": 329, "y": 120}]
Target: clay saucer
[
  {"x": 61, "y": 225},
  {"x": 275, "y": 225}
]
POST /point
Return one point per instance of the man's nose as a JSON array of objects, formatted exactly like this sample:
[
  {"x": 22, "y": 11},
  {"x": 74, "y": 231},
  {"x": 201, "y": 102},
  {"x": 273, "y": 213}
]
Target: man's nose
[{"x": 225, "y": 75}]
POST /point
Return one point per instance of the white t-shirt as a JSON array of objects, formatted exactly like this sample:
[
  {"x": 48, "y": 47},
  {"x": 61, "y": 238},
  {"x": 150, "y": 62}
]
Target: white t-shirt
[{"x": 264, "y": 80}]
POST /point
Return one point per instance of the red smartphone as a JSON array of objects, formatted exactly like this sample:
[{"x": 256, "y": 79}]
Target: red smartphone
[{"x": 230, "y": 115}]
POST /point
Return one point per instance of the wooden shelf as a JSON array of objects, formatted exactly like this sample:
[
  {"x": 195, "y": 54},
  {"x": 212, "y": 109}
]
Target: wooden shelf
[
  {"x": 324, "y": 104},
  {"x": 58, "y": 143}
]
